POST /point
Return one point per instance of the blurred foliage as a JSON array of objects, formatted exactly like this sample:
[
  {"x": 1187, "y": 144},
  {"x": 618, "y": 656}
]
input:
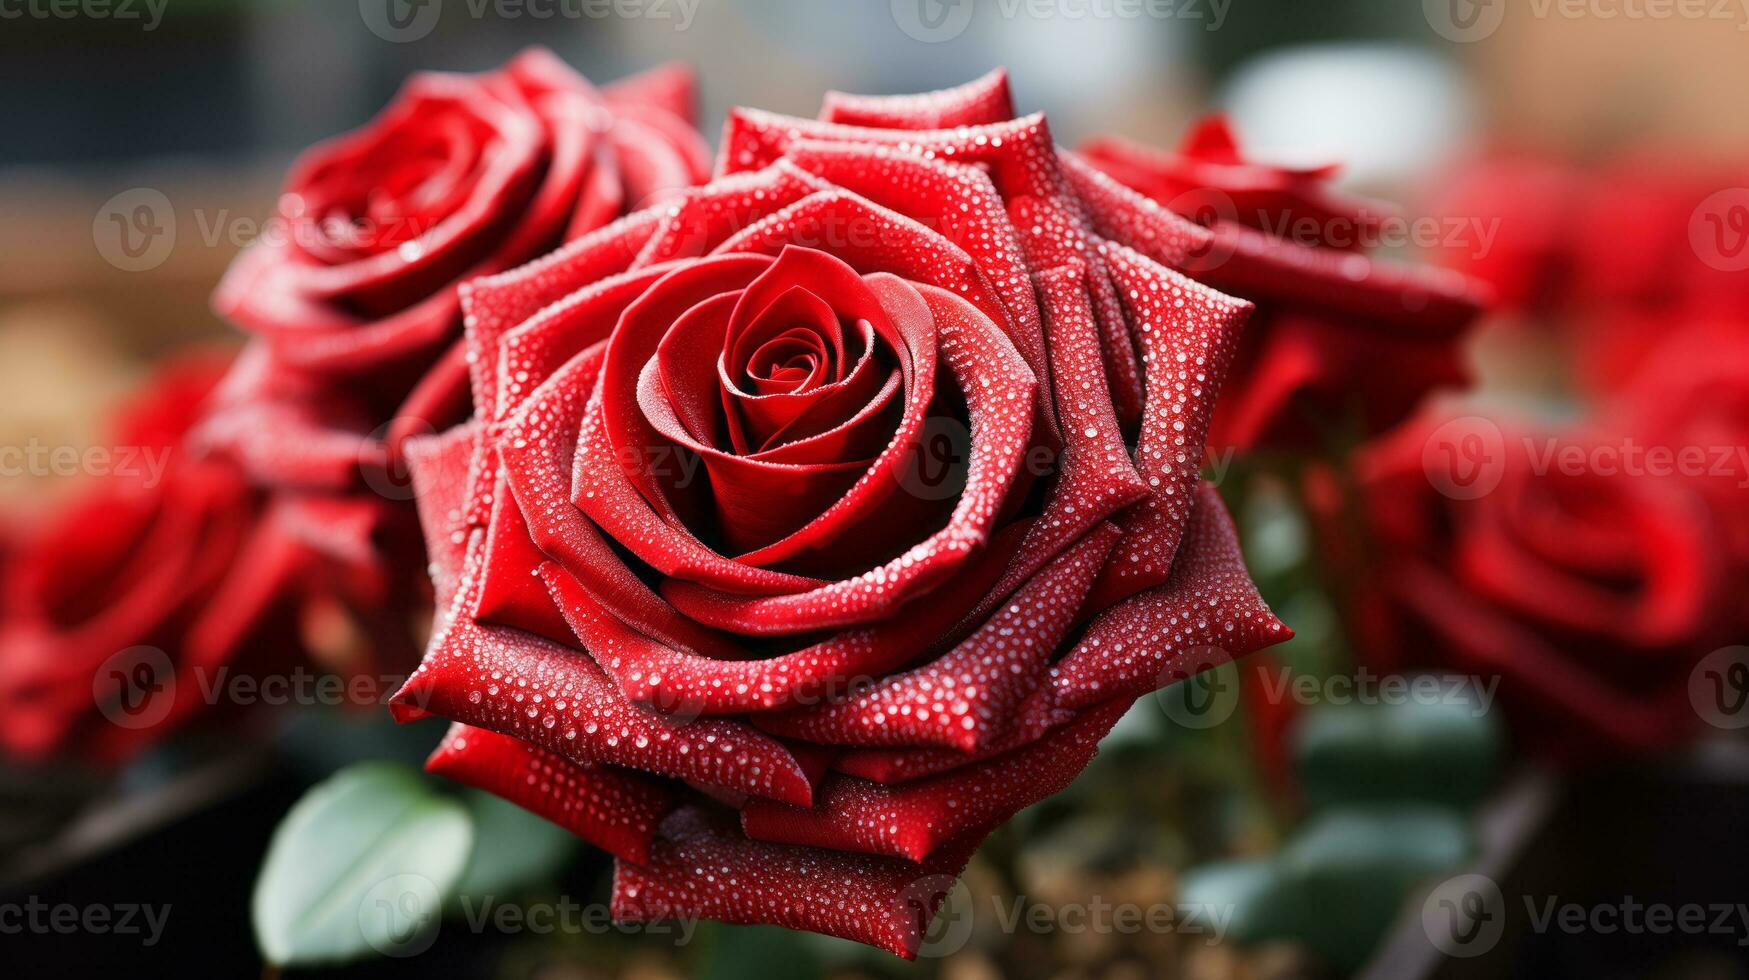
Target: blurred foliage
[{"x": 1444, "y": 752}]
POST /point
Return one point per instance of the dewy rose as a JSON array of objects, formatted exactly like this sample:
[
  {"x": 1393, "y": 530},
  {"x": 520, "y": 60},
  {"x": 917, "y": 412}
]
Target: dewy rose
[
  {"x": 1343, "y": 341},
  {"x": 351, "y": 288},
  {"x": 639, "y": 655}
]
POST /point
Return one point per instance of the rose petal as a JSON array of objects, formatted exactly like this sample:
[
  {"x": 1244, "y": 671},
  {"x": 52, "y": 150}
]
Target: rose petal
[
  {"x": 702, "y": 866},
  {"x": 613, "y": 809},
  {"x": 1208, "y": 607},
  {"x": 912, "y": 820},
  {"x": 966, "y": 698}
]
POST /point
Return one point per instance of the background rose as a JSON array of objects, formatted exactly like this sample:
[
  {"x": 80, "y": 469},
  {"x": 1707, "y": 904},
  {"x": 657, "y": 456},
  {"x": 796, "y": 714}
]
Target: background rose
[
  {"x": 1343, "y": 345},
  {"x": 1590, "y": 590},
  {"x": 1692, "y": 395},
  {"x": 109, "y": 608},
  {"x": 353, "y": 294},
  {"x": 1612, "y": 258},
  {"x": 702, "y": 456}
]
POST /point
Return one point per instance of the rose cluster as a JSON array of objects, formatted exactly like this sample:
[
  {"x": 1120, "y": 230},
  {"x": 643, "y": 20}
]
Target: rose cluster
[
  {"x": 1594, "y": 563},
  {"x": 281, "y": 529},
  {"x": 190, "y": 571},
  {"x": 816, "y": 521}
]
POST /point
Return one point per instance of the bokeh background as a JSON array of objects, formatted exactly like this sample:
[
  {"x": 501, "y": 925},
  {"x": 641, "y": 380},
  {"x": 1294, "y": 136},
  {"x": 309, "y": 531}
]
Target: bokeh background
[{"x": 206, "y": 102}]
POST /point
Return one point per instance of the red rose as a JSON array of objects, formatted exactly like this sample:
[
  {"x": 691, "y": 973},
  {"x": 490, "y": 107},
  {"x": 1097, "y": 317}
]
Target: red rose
[
  {"x": 1535, "y": 204},
  {"x": 1580, "y": 572},
  {"x": 353, "y": 290},
  {"x": 1691, "y": 395},
  {"x": 1341, "y": 342},
  {"x": 169, "y": 568},
  {"x": 807, "y": 496},
  {"x": 1612, "y": 258}
]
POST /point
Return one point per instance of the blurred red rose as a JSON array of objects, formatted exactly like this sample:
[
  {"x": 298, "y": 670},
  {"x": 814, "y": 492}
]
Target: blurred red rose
[
  {"x": 1612, "y": 256},
  {"x": 352, "y": 291},
  {"x": 793, "y": 497},
  {"x": 168, "y": 568},
  {"x": 1343, "y": 345},
  {"x": 1587, "y": 574},
  {"x": 1690, "y": 395}
]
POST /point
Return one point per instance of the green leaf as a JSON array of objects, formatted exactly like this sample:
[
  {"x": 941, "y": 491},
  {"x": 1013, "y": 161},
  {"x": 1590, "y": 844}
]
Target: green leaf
[
  {"x": 1252, "y": 894},
  {"x": 1436, "y": 751},
  {"x": 1338, "y": 884},
  {"x": 513, "y": 848},
  {"x": 757, "y": 953},
  {"x": 362, "y": 863},
  {"x": 1355, "y": 866}
]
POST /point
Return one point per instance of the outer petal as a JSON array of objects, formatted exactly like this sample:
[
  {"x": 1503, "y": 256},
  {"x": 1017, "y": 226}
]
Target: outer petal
[
  {"x": 978, "y": 102},
  {"x": 518, "y": 684},
  {"x": 914, "y": 819},
  {"x": 614, "y": 809},
  {"x": 703, "y": 866},
  {"x": 967, "y": 698}
]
